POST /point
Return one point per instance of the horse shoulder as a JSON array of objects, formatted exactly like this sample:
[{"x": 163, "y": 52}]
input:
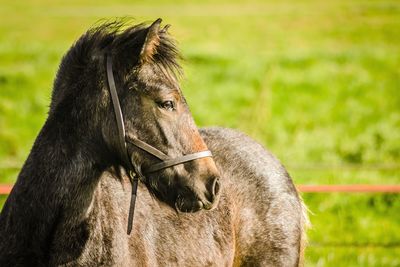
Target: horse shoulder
[{"x": 269, "y": 212}]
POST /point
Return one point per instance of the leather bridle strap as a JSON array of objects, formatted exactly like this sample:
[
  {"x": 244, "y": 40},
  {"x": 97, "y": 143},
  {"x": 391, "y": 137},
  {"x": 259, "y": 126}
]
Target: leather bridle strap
[
  {"x": 133, "y": 169},
  {"x": 146, "y": 147},
  {"x": 118, "y": 113},
  {"x": 172, "y": 162},
  {"x": 133, "y": 177},
  {"x": 166, "y": 161}
]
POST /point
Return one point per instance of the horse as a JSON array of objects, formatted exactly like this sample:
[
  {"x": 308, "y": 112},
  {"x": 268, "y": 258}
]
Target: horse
[{"x": 233, "y": 206}]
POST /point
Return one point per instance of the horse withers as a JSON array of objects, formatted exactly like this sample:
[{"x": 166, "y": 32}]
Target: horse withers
[{"x": 70, "y": 204}]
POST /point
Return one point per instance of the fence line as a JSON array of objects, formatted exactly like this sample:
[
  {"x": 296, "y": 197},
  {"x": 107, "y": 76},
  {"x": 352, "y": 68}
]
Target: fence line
[
  {"x": 5, "y": 189},
  {"x": 294, "y": 166},
  {"x": 350, "y": 188},
  {"x": 343, "y": 166}
]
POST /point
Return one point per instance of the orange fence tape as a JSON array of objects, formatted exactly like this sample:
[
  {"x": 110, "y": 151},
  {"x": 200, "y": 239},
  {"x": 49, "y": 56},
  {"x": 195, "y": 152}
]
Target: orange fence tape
[
  {"x": 352, "y": 188},
  {"x": 5, "y": 189}
]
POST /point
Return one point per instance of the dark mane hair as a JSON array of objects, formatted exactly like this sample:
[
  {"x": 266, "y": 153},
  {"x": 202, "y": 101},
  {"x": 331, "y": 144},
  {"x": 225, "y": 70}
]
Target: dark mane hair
[
  {"x": 115, "y": 37},
  {"x": 124, "y": 43}
]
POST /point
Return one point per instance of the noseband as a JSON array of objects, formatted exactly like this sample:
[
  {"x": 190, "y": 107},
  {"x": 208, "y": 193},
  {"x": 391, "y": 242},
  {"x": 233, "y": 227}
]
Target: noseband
[{"x": 134, "y": 170}]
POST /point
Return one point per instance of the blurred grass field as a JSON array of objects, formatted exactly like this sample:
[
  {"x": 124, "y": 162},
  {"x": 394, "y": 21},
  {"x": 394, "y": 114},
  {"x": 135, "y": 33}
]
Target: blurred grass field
[{"x": 317, "y": 82}]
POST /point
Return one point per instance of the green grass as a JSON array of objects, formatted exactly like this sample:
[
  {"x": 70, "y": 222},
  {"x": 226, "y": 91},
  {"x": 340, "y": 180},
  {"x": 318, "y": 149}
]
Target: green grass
[
  {"x": 317, "y": 82},
  {"x": 354, "y": 230}
]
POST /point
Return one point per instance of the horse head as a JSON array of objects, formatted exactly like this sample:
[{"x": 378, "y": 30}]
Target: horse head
[{"x": 146, "y": 74}]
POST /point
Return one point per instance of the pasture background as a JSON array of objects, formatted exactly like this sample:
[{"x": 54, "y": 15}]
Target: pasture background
[{"x": 317, "y": 82}]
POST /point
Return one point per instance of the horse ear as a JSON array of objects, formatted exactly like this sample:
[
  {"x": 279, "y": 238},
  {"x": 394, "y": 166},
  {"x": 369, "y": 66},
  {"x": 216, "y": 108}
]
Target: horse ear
[{"x": 151, "y": 42}]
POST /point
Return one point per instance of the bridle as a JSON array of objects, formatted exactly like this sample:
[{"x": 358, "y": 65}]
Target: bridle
[{"x": 133, "y": 169}]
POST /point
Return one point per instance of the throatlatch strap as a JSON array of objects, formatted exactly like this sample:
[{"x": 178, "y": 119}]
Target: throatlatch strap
[{"x": 134, "y": 180}]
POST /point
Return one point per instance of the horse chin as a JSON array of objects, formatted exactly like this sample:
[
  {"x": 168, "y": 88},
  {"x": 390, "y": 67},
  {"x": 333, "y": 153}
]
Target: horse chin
[{"x": 188, "y": 205}]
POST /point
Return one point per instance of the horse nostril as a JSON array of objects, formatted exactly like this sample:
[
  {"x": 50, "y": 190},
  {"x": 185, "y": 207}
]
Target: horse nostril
[{"x": 215, "y": 187}]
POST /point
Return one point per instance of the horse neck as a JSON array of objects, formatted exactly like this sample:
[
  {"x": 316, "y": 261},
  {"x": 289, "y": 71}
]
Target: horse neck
[{"x": 55, "y": 186}]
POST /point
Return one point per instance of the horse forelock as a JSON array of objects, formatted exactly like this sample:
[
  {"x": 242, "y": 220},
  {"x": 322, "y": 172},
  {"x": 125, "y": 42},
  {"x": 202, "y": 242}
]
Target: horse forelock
[{"x": 124, "y": 42}]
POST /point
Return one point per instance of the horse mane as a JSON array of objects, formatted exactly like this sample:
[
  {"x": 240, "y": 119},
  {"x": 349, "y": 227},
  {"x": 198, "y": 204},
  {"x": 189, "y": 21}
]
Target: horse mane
[
  {"x": 120, "y": 36},
  {"x": 124, "y": 42}
]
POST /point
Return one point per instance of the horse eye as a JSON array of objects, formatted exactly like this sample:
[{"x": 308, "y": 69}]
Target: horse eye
[{"x": 168, "y": 105}]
